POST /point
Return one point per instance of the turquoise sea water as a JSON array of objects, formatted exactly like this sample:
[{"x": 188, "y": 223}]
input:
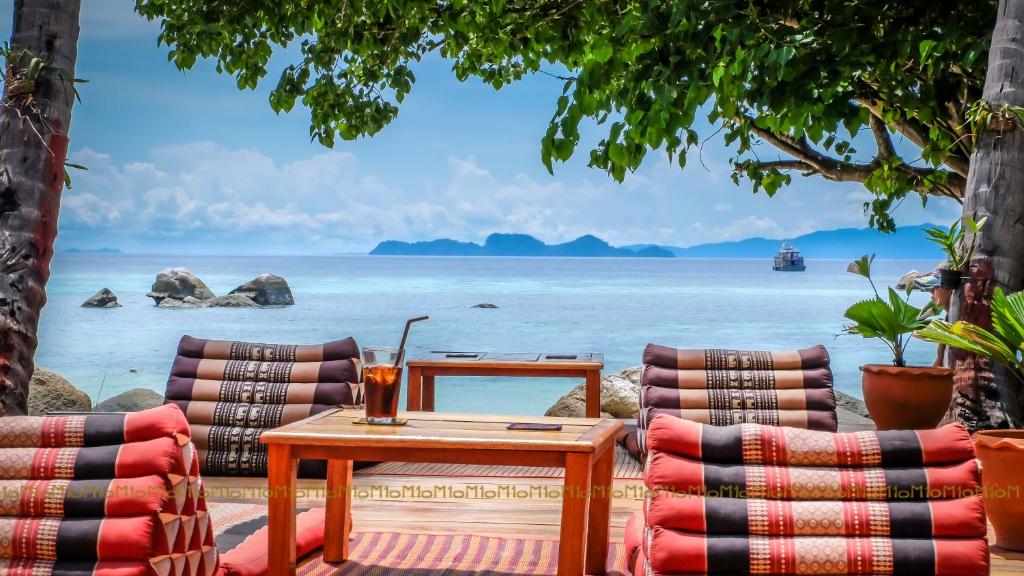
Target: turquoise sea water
[{"x": 609, "y": 305}]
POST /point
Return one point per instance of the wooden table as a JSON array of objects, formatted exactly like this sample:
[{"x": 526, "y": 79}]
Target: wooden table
[
  {"x": 422, "y": 372},
  {"x": 584, "y": 447}
]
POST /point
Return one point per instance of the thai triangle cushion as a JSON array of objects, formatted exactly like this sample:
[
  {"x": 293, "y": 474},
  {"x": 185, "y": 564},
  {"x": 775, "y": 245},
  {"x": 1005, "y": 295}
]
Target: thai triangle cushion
[
  {"x": 753, "y": 499},
  {"x": 103, "y": 494},
  {"x": 231, "y": 392},
  {"x": 724, "y": 387}
]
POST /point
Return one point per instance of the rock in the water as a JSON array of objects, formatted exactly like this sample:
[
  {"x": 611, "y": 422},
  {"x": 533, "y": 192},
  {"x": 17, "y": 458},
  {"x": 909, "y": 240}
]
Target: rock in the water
[
  {"x": 133, "y": 400},
  {"x": 51, "y": 392},
  {"x": 267, "y": 290},
  {"x": 172, "y": 303},
  {"x": 483, "y": 305},
  {"x": 226, "y": 301},
  {"x": 229, "y": 301},
  {"x": 102, "y": 299},
  {"x": 620, "y": 397},
  {"x": 178, "y": 284}
]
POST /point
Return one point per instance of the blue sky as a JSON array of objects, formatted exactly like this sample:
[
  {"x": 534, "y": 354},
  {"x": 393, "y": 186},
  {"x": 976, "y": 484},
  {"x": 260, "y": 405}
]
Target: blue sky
[{"x": 187, "y": 163}]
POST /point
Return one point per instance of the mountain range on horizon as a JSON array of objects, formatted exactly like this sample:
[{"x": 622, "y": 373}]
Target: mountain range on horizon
[
  {"x": 517, "y": 245},
  {"x": 906, "y": 242}
]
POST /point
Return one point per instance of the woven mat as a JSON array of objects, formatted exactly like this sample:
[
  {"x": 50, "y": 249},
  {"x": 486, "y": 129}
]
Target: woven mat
[
  {"x": 413, "y": 554},
  {"x": 391, "y": 554},
  {"x": 626, "y": 468}
]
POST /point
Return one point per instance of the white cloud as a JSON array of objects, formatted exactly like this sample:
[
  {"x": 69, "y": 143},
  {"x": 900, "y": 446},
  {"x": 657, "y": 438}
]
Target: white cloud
[{"x": 204, "y": 194}]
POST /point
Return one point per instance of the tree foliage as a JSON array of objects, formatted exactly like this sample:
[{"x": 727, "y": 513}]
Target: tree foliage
[{"x": 802, "y": 75}]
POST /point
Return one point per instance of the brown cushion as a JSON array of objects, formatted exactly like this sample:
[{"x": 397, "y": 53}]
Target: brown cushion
[{"x": 231, "y": 392}]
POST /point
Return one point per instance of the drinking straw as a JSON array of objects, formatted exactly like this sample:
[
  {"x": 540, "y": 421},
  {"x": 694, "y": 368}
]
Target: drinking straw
[{"x": 405, "y": 336}]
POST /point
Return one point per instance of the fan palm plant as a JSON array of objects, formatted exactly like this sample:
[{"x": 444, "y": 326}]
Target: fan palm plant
[
  {"x": 1005, "y": 344},
  {"x": 898, "y": 396},
  {"x": 892, "y": 319}
]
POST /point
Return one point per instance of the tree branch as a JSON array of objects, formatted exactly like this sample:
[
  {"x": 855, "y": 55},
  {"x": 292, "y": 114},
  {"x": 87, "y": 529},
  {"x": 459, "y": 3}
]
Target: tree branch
[
  {"x": 882, "y": 138},
  {"x": 811, "y": 161},
  {"x": 917, "y": 133},
  {"x": 804, "y": 167}
]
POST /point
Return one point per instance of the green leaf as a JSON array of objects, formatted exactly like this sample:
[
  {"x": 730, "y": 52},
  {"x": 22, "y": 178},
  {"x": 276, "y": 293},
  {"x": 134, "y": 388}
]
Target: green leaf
[
  {"x": 925, "y": 48},
  {"x": 601, "y": 50},
  {"x": 717, "y": 73},
  {"x": 862, "y": 266}
]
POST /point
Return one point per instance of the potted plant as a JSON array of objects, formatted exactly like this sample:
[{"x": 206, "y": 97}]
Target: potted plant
[
  {"x": 896, "y": 395},
  {"x": 958, "y": 251},
  {"x": 1001, "y": 452}
]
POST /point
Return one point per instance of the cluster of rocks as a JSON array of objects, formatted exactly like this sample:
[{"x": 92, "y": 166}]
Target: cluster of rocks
[
  {"x": 180, "y": 288},
  {"x": 50, "y": 392}
]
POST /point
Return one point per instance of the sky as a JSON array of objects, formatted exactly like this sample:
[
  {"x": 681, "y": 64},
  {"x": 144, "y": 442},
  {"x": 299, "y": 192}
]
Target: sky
[{"x": 184, "y": 162}]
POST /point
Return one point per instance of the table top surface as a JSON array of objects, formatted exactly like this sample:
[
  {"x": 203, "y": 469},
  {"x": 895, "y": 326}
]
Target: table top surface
[
  {"x": 433, "y": 430},
  {"x": 545, "y": 360}
]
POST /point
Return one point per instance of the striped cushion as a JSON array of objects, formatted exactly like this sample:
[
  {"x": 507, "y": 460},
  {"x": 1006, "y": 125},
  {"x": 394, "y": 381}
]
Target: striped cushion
[
  {"x": 725, "y": 387},
  {"x": 719, "y": 359},
  {"x": 103, "y": 494},
  {"x": 231, "y": 392},
  {"x": 757, "y": 499}
]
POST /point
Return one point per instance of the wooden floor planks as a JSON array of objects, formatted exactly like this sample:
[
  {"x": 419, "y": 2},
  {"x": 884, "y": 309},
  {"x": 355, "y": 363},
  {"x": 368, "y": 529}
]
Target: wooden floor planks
[{"x": 521, "y": 506}]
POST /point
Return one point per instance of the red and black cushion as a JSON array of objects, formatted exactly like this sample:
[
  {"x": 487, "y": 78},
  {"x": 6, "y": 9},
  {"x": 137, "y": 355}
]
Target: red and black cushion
[
  {"x": 103, "y": 495},
  {"x": 752, "y": 499}
]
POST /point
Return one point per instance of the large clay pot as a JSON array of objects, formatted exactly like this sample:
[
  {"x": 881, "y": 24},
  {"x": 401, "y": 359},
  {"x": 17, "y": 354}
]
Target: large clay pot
[
  {"x": 1002, "y": 458},
  {"x": 907, "y": 397}
]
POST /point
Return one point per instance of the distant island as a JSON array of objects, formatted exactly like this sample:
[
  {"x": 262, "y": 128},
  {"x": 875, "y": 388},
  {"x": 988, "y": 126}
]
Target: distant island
[
  {"x": 905, "y": 243},
  {"x": 92, "y": 251},
  {"x": 517, "y": 245}
]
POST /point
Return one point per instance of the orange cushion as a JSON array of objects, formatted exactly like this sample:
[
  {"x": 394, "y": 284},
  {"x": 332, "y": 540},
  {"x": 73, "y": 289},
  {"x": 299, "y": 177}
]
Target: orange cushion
[{"x": 250, "y": 557}]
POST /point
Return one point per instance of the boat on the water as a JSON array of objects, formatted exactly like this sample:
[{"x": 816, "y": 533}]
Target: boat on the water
[{"x": 788, "y": 259}]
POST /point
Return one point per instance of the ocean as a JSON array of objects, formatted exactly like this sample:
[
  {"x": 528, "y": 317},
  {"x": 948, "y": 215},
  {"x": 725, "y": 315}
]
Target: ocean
[{"x": 610, "y": 305}]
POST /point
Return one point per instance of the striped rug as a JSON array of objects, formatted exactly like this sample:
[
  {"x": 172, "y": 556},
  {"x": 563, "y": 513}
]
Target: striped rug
[
  {"x": 392, "y": 554},
  {"x": 414, "y": 554},
  {"x": 626, "y": 468}
]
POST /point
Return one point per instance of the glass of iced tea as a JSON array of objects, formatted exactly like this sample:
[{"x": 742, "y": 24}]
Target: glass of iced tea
[{"x": 382, "y": 381}]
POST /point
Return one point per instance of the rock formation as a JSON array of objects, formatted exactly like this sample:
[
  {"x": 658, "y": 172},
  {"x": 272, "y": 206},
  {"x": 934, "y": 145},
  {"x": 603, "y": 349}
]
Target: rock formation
[
  {"x": 178, "y": 284},
  {"x": 267, "y": 290},
  {"x": 102, "y": 299},
  {"x": 131, "y": 401},
  {"x": 51, "y": 392}
]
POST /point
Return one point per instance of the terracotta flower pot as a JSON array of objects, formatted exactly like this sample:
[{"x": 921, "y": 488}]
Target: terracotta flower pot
[
  {"x": 1002, "y": 458},
  {"x": 906, "y": 398}
]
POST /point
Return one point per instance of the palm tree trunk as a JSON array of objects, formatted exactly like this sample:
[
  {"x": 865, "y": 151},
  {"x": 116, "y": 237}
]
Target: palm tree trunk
[
  {"x": 34, "y": 123},
  {"x": 987, "y": 396}
]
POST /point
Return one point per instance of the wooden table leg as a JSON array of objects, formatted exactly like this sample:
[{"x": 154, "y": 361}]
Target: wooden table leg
[
  {"x": 573, "y": 534},
  {"x": 338, "y": 520},
  {"x": 428, "y": 392},
  {"x": 593, "y": 394},
  {"x": 414, "y": 389},
  {"x": 599, "y": 521},
  {"x": 281, "y": 469}
]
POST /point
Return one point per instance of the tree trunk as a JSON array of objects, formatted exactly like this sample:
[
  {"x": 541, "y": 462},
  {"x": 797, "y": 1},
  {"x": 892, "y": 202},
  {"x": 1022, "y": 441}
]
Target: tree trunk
[
  {"x": 986, "y": 396},
  {"x": 34, "y": 122}
]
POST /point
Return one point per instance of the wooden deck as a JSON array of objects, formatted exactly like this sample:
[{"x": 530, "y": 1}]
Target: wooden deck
[{"x": 432, "y": 505}]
